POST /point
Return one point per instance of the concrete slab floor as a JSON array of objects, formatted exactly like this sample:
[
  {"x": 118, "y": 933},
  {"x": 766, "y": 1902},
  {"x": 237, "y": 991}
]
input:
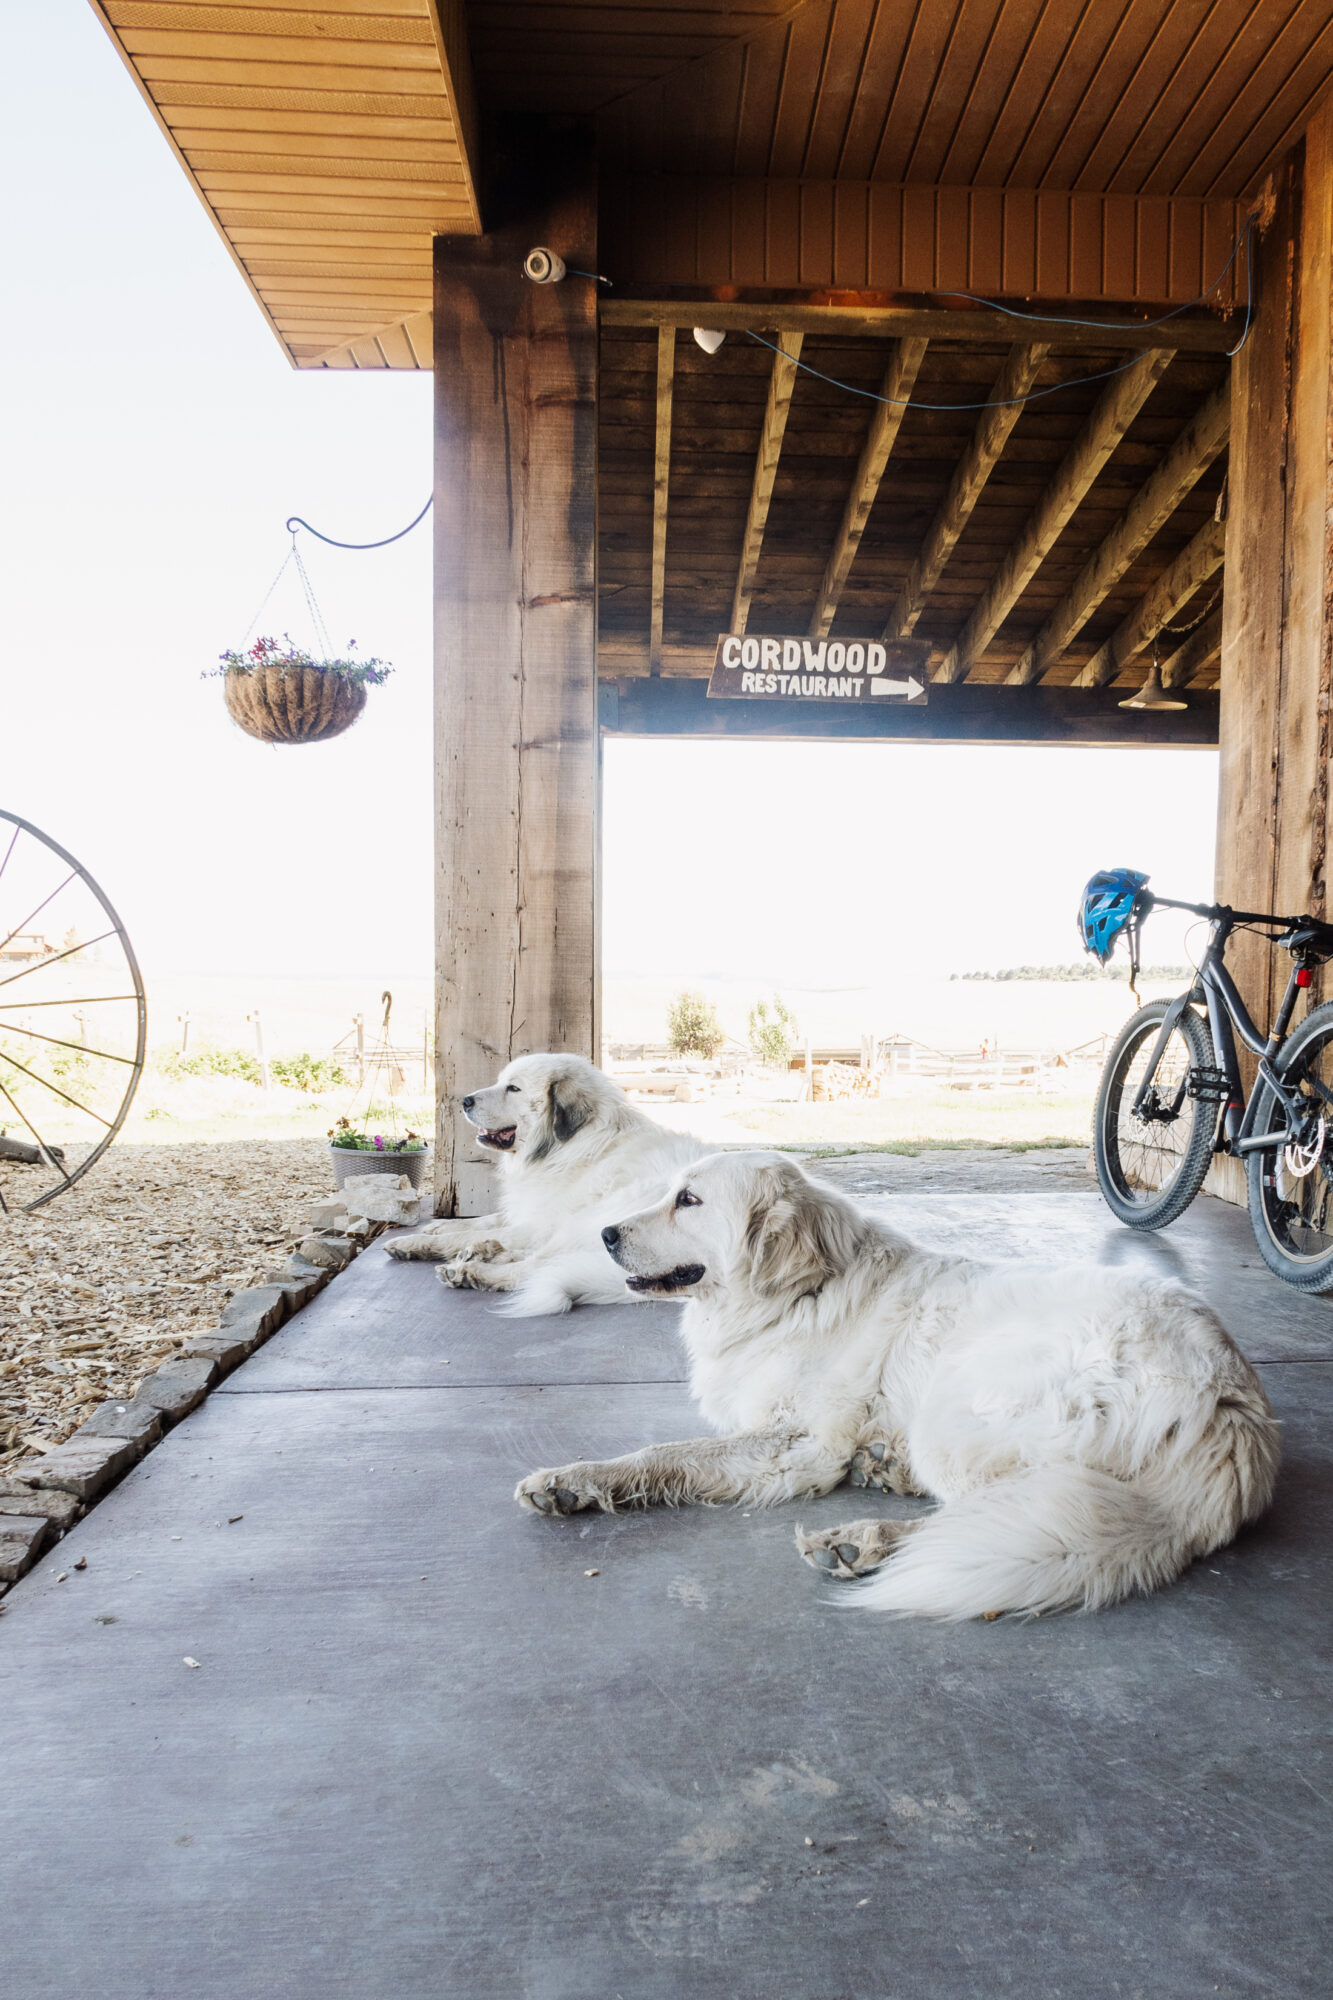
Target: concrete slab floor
[{"x": 424, "y": 1754}]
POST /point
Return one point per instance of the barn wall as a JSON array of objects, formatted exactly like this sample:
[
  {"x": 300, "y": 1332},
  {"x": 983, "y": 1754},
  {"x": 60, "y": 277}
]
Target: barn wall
[{"x": 1277, "y": 637}]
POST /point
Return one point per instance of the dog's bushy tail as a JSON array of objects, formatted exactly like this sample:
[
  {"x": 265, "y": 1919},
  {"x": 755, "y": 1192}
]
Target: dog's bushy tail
[{"x": 1068, "y": 1537}]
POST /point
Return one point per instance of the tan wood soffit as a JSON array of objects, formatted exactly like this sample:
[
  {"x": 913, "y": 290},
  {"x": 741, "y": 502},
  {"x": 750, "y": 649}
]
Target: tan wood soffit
[
  {"x": 781, "y": 382},
  {"x": 325, "y": 132}
]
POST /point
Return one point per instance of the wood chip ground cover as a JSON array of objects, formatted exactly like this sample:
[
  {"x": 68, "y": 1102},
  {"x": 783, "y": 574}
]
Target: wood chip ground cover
[{"x": 101, "y": 1285}]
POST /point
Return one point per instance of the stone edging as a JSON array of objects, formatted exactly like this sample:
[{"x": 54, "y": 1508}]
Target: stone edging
[{"x": 43, "y": 1497}]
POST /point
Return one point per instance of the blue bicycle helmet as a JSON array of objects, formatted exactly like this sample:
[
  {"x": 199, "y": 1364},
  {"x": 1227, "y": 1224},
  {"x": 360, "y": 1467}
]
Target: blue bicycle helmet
[{"x": 1107, "y": 906}]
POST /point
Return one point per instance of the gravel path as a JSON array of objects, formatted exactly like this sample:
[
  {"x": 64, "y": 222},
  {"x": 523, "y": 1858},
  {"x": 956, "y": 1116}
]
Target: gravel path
[{"x": 102, "y": 1284}]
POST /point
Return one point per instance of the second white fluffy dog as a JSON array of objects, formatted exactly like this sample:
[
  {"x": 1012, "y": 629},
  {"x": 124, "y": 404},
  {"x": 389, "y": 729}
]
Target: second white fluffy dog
[
  {"x": 574, "y": 1154},
  {"x": 1089, "y": 1434}
]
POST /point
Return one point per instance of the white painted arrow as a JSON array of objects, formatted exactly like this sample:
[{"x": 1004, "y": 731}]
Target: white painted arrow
[{"x": 910, "y": 687}]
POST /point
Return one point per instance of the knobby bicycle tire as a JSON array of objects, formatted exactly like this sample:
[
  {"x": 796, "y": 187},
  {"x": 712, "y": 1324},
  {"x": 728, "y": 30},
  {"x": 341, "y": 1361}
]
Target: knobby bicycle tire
[
  {"x": 1133, "y": 1203},
  {"x": 1271, "y": 1211}
]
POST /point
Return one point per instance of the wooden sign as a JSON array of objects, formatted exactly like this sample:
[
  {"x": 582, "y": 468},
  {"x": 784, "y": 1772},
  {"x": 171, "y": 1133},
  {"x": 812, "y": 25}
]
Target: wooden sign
[{"x": 865, "y": 670}]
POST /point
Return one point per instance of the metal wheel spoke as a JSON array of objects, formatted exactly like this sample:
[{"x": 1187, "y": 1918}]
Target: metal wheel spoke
[
  {"x": 55, "y": 958},
  {"x": 45, "y": 1149},
  {"x": 83, "y": 1000},
  {"x": 80, "y": 1048},
  {"x": 40, "y": 907},
  {"x": 87, "y": 1109},
  {"x": 74, "y": 905}
]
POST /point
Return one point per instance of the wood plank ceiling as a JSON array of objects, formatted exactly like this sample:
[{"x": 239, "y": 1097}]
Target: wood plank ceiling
[
  {"x": 1060, "y": 540},
  {"x": 329, "y": 140}
]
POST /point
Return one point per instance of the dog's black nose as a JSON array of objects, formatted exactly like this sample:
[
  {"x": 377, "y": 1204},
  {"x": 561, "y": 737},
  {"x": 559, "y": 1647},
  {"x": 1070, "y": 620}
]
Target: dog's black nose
[
  {"x": 468, "y": 1103},
  {"x": 610, "y": 1236}
]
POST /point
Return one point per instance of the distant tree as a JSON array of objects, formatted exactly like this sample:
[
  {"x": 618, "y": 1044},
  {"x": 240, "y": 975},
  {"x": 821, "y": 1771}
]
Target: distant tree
[
  {"x": 693, "y": 1028},
  {"x": 773, "y": 1031}
]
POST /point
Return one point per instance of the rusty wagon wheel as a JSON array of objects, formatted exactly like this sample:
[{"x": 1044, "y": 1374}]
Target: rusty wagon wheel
[{"x": 73, "y": 1020}]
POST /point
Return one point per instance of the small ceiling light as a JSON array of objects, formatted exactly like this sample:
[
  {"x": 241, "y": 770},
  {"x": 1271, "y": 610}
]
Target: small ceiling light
[
  {"x": 710, "y": 338},
  {"x": 1152, "y": 694}
]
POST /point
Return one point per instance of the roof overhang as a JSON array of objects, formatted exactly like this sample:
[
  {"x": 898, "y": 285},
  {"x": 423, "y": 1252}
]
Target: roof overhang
[{"x": 329, "y": 147}]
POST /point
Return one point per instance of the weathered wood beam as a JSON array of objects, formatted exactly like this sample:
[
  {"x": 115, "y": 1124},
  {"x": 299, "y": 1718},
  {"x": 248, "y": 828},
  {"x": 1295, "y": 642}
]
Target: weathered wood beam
[
  {"x": 1116, "y": 408},
  {"x": 515, "y": 659},
  {"x": 781, "y": 382},
  {"x": 666, "y": 377},
  {"x": 1203, "y": 437},
  {"x": 1197, "y": 561},
  {"x": 896, "y": 387},
  {"x": 1199, "y": 653},
  {"x": 1190, "y": 334},
  {"x": 968, "y": 712},
  {"x": 972, "y": 471}
]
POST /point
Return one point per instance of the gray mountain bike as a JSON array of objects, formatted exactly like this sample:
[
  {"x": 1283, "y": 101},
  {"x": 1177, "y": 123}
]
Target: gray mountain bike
[{"x": 1172, "y": 1096}]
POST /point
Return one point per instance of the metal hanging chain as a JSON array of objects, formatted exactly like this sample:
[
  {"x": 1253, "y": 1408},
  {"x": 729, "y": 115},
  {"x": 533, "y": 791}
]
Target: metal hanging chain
[
  {"x": 282, "y": 571},
  {"x": 1182, "y": 631},
  {"x": 312, "y": 603}
]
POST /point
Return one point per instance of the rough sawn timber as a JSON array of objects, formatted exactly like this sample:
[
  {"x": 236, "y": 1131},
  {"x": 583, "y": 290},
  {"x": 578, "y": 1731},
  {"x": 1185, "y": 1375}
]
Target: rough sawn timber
[
  {"x": 781, "y": 382},
  {"x": 1203, "y": 437},
  {"x": 895, "y": 389},
  {"x": 975, "y": 467},
  {"x": 1116, "y": 409},
  {"x": 1197, "y": 562},
  {"x": 515, "y": 719}
]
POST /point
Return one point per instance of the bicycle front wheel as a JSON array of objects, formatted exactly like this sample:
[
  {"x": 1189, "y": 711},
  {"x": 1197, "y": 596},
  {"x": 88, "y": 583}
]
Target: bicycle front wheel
[
  {"x": 1150, "y": 1165},
  {"x": 1291, "y": 1187}
]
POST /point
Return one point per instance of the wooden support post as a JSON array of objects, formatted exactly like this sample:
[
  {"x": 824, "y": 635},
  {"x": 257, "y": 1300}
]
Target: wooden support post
[
  {"x": 1277, "y": 621},
  {"x": 995, "y": 423},
  {"x": 1115, "y": 410},
  {"x": 515, "y": 598},
  {"x": 896, "y": 388},
  {"x": 666, "y": 376},
  {"x": 1193, "y": 452},
  {"x": 1197, "y": 561},
  {"x": 781, "y": 382}
]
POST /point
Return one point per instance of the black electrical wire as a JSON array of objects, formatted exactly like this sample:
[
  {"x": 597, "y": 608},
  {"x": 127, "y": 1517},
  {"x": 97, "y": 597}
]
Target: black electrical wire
[{"x": 1050, "y": 319}]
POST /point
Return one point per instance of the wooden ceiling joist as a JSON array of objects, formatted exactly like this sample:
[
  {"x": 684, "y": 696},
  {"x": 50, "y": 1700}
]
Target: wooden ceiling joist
[
  {"x": 1118, "y": 405},
  {"x": 324, "y": 128},
  {"x": 996, "y": 421},
  {"x": 1191, "y": 333},
  {"x": 666, "y": 376},
  {"x": 1197, "y": 562},
  {"x": 1198, "y": 655},
  {"x": 781, "y": 382},
  {"x": 1199, "y": 443},
  {"x": 895, "y": 389}
]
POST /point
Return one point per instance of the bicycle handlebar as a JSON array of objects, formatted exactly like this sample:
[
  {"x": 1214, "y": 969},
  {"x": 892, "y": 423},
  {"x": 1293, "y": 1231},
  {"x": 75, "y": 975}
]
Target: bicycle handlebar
[{"x": 1223, "y": 913}]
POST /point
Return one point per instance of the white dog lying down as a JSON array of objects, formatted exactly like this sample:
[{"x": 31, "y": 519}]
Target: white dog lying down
[
  {"x": 574, "y": 1155},
  {"x": 1089, "y": 1433}
]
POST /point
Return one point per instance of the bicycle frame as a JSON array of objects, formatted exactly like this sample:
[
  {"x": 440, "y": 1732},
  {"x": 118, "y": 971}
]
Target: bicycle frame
[{"x": 1228, "y": 1016}]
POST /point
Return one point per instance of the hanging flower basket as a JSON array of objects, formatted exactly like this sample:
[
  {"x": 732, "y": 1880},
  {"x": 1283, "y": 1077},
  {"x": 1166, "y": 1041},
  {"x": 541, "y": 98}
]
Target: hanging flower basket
[{"x": 281, "y": 695}]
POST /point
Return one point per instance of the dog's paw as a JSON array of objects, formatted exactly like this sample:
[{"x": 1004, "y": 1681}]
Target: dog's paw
[
  {"x": 567, "y": 1490},
  {"x": 408, "y": 1249},
  {"x": 484, "y": 1250},
  {"x": 852, "y": 1550},
  {"x": 460, "y": 1275},
  {"x": 882, "y": 1468}
]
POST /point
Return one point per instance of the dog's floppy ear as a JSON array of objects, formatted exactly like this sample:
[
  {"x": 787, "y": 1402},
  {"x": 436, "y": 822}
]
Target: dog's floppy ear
[
  {"x": 568, "y": 1109},
  {"x": 798, "y": 1236}
]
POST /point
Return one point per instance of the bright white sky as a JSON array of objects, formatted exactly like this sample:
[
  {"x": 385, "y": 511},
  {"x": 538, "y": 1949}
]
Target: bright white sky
[{"x": 154, "y": 442}]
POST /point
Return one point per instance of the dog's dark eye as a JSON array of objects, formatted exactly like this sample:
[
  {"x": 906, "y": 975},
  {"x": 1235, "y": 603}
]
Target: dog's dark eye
[
  {"x": 511, "y": 1086},
  {"x": 687, "y": 1200}
]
